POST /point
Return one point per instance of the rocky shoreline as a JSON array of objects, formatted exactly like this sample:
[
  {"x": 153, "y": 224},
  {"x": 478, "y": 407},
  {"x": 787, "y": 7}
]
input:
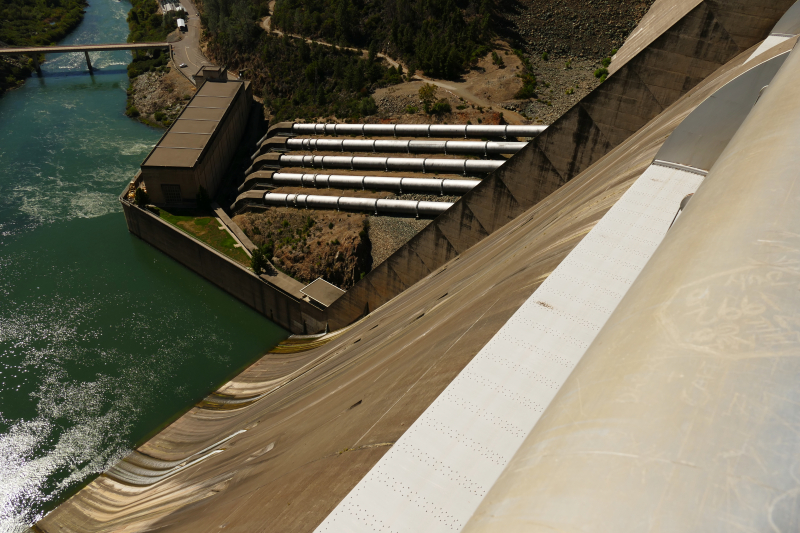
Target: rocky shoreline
[{"x": 156, "y": 98}]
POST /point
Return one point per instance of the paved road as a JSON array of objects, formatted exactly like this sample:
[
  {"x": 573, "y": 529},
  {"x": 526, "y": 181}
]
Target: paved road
[
  {"x": 80, "y": 48},
  {"x": 188, "y": 50}
]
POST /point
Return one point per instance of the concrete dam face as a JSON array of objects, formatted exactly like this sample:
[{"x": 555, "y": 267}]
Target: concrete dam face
[{"x": 598, "y": 335}]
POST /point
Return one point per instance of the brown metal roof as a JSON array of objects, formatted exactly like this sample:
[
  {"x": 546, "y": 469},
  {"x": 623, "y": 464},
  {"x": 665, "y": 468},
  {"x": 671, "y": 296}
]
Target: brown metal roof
[
  {"x": 185, "y": 140},
  {"x": 187, "y": 125},
  {"x": 183, "y": 145},
  {"x": 210, "y": 101},
  {"x": 216, "y": 88},
  {"x": 173, "y": 157},
  {"x": 202, "y": 113}
]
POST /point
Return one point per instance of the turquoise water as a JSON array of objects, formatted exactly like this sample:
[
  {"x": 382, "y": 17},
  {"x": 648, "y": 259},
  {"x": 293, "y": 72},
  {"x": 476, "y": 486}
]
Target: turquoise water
[{"x": 102, "y": 338}]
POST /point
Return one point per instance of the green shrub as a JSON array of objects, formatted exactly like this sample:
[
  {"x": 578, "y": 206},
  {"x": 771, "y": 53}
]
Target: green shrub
[
  {"x": 159, "y": 116},
  {"x": 367, "y": 107},
  {"x": 497, "y": 60},
  {"x": 132, "y": 111},
  {"x": 441, "y": 107},
  {"x": 260, "y": 260},
  {"x": 33, "y": 23},
  {"x": 528, "y": 89},
  {"x": 411, "y": 109},
  {"x": 601, "y": 73},
  {"x": 427, "y": 95},
  {"x": 140, "y": 197},
  {"x": 545, "y": 57}
]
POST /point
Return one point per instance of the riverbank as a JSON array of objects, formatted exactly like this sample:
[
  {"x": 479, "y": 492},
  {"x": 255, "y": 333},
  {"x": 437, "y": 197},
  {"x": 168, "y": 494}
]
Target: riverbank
[
  {"x": 157, "y": 92},
  {"x": 24, "y": 25},
  {"x": 156, "y": 98}
]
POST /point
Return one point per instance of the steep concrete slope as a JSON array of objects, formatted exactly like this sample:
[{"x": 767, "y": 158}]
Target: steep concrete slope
[
  {"x": 662, "y": 15},
  {"x": 278, "y": 447}
]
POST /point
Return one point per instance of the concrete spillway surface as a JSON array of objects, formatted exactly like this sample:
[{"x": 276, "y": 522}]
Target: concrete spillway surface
[
  {"x": 411, "y": 147},
  {"x": 366, "y": 205},
  {"x": 436, "y": 475},
  {"x": 417, "y": 130}
]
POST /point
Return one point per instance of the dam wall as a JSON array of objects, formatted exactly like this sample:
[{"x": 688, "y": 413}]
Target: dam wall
[
  {"x": 279, "y": 305},
  {"x": 301, "y": 427},
  {"x": 710, "y": 34}
]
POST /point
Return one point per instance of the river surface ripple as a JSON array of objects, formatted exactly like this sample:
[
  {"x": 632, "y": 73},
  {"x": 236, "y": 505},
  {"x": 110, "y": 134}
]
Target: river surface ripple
[{"x": 102, "y": 338}]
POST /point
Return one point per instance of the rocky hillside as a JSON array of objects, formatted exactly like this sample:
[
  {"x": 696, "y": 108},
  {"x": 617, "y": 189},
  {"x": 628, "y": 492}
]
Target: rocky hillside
[
  {"x": 311, "y": 244},
  {"x": 578, "y": 28}
]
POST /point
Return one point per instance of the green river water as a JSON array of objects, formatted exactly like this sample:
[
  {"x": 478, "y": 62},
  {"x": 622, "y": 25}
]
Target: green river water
[{"x": 103, "y": 339}]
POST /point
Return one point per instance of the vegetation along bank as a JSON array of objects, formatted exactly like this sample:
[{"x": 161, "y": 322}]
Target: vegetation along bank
[
  {"x": 157, "y": 92},
  {"x": 33, "y": 23}
]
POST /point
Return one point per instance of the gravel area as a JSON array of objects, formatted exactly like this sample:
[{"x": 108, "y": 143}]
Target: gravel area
[
  {"x": 561, "y": 86},
  {"x": 572, "y": 27},
  {"x": 388, "y": 234},
  {"x": 422, "y": 197}
]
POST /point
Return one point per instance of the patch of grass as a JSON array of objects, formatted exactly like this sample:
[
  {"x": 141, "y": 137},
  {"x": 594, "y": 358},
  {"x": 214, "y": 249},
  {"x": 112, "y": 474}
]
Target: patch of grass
[{"x": 204, "y": 227}]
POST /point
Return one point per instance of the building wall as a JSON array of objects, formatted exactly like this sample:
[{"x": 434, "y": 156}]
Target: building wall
[
  {"x": 153, "y": 177},
  {"x": 215, "y": 162}
]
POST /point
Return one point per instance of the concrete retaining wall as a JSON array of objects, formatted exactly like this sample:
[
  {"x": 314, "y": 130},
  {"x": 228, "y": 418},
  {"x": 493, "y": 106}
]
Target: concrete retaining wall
[{"x": 297, "y": 316}]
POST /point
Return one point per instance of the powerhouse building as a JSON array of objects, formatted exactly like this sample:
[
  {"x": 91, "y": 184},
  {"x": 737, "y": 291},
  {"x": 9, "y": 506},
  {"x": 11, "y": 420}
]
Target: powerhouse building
[{"x": 197, "y": 149}]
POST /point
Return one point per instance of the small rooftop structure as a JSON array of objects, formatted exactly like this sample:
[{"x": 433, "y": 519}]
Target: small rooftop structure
[
  {"x": 209, "y": 73},
  {"x": 322, "y": 292}
]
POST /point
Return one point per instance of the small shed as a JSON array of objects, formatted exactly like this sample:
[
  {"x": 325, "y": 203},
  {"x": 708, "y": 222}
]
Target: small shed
[{"x": 322, "y": 292}]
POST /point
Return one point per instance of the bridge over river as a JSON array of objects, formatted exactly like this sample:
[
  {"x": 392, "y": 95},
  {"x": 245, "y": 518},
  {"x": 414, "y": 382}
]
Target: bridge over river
[{"x": 33, "y": 51}]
